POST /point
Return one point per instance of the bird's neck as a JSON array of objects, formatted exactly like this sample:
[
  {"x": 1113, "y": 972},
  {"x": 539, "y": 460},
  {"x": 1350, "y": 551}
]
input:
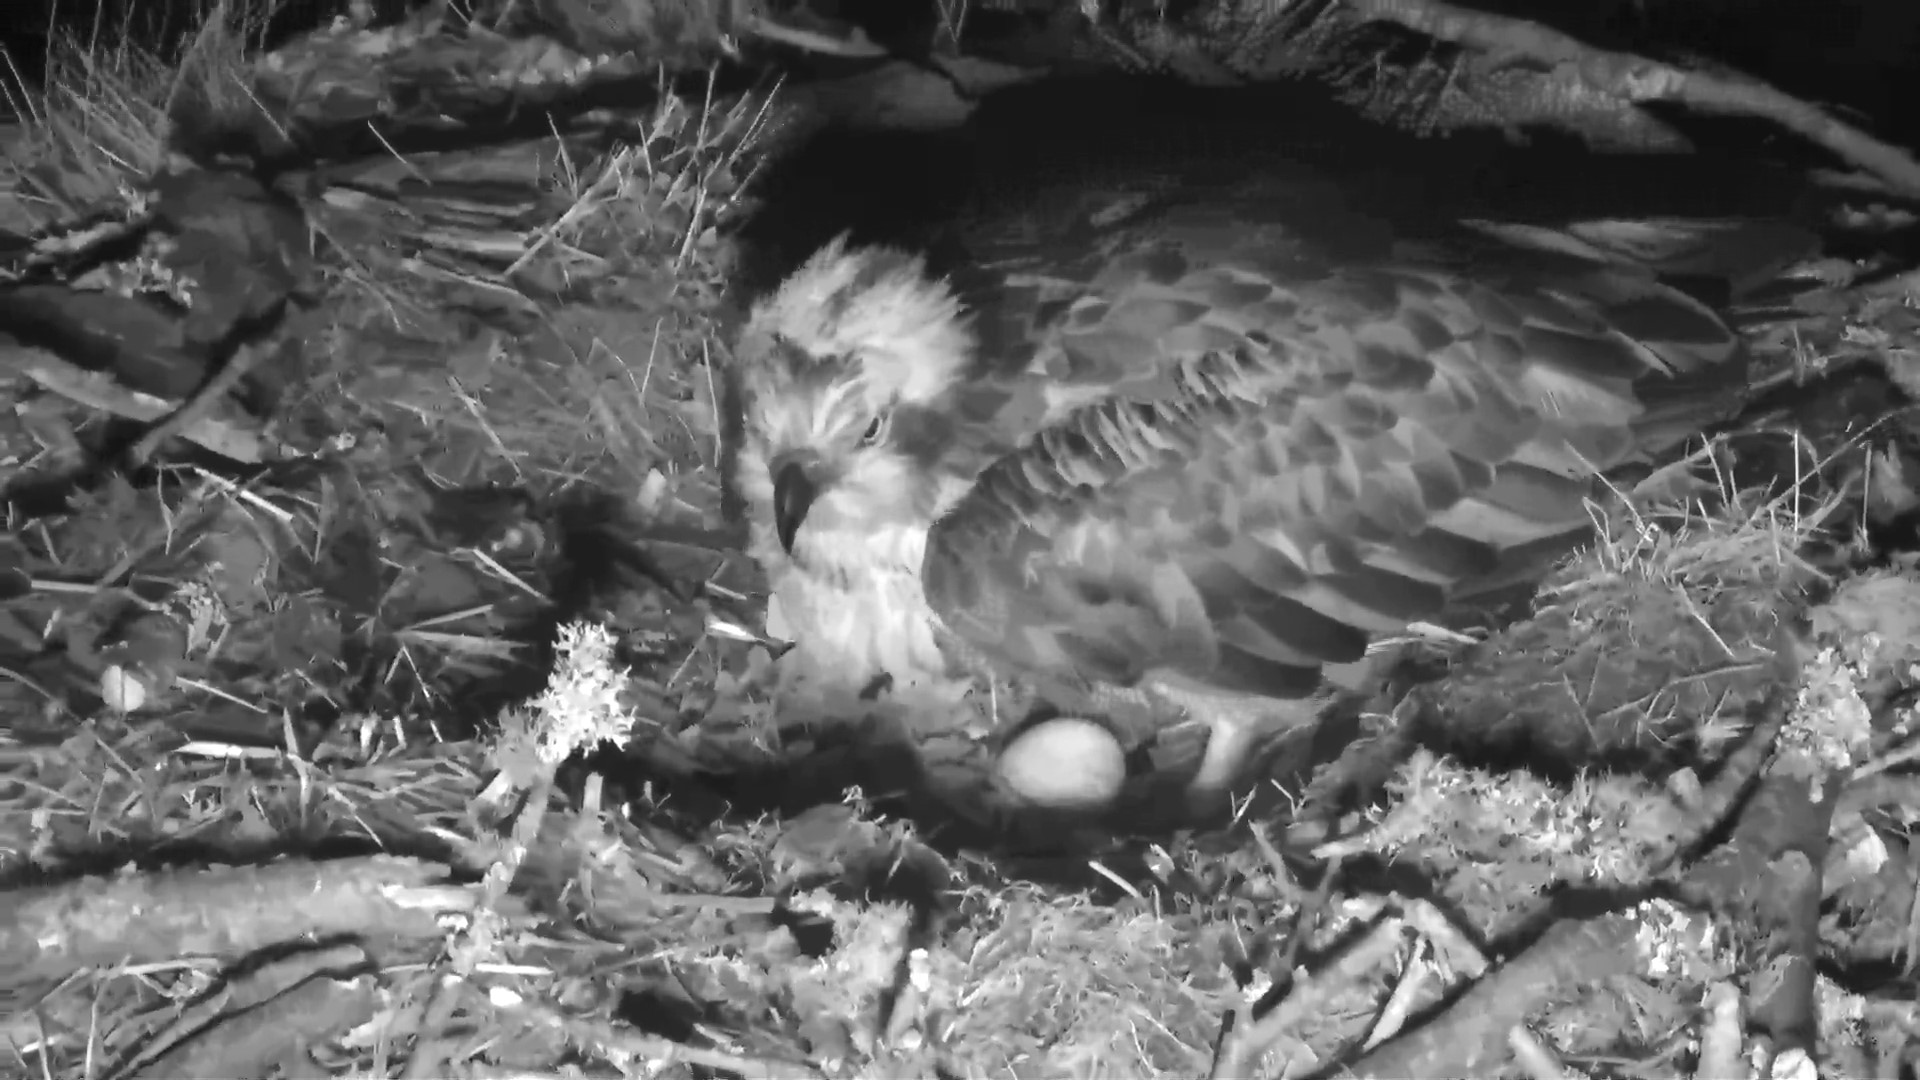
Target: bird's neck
[{"x": 854, "y": 604}]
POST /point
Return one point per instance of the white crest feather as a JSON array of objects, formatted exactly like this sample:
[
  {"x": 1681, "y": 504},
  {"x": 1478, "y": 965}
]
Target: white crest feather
[{"x": 909, "y": 331}]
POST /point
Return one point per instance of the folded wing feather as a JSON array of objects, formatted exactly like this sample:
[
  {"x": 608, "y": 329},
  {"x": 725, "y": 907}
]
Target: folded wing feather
[{"x": 1257, "y": 458}]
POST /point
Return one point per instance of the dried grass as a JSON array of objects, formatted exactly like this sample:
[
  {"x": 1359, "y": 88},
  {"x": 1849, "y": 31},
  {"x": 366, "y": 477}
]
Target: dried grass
[
  {"x": 96, "y": 126},
  {"x": 616, "y": 389},
  {"x": 1074, "y": 988}
]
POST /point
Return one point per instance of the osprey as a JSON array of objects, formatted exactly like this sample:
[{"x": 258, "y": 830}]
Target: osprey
[{"x": 1200, "y": 454}]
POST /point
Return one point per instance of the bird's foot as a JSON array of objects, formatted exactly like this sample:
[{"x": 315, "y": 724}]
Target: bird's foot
[{"x": 1239, "y": 733}]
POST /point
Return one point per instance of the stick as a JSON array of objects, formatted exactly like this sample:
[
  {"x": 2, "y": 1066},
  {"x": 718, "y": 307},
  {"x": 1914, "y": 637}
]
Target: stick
[{"x": 1640, "y": 80}]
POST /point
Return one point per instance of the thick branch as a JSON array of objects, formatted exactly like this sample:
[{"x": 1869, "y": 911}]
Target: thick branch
[{"x": 1641, "y": 80}]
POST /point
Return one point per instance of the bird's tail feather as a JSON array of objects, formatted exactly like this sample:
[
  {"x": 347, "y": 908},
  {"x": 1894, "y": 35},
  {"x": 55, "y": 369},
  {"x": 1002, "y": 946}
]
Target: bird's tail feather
[
  {"x": 1720, "y": 261},
  {"x": 1678, "y": 287},
  {"x": 1688, "y": 288}
]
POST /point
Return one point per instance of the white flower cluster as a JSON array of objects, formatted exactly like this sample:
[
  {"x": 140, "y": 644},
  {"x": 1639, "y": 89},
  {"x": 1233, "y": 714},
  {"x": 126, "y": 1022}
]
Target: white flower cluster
[{"x": 581, "y": 704}]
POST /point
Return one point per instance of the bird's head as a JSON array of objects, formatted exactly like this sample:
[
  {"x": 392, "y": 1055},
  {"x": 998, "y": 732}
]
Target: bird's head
[{"x": 846, "y": 372}]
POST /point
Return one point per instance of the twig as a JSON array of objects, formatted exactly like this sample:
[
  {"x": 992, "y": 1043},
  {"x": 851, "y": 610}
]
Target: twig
[
  {"x": 1406, "y": 992},
  {"x": 1641, "y": 80},
  {"x": 659, "y": 1053},
  {"x": 254, "y": 1041},
  {"x": 196, "y": 407},
  {"x": 248, "y": 1014},
  {"x": 1312, "y": 911},
  {"x": 97, "y": 391},
  {"x": 1244, "y": 1039},
  {"x": 48, "y": 930},
  {"x": 855, "y": 44},
  {"x": 1538, "y": 1060},
  {"x": 435, "y": 1052},
  {"x": 1468, "y": 1037},
  {"x": 1283, "y": 877}
]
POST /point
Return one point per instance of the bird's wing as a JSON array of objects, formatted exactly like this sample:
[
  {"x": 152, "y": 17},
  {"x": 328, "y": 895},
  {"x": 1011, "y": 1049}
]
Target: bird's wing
[{"x": 1266, "y": 446}]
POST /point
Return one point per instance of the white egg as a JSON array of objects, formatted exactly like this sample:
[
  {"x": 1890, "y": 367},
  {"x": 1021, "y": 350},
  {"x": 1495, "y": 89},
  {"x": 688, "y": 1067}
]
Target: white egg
[
  {"x": 122, "y": 690},
  {"x": 1067, "y": 763}
]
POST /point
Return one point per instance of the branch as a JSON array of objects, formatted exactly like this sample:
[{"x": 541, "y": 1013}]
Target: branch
[
  {"x": 1641, "y": 80},
  {"x": 101, "y": 391}
]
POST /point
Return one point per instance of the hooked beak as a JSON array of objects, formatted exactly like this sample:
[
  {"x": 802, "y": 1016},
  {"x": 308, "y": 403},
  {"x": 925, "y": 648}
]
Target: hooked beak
[{"x": 793, "y": 493}]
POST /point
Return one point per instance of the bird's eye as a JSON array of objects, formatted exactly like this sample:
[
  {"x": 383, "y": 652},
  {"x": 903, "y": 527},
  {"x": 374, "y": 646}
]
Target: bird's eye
[{"x": 876, "y": 431}]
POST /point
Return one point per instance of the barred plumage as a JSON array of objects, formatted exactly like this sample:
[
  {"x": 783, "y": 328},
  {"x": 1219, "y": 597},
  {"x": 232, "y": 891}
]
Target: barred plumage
[{"x": 1213, "y": 450}]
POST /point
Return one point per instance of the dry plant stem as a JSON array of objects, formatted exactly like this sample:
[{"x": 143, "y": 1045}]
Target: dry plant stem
[
  {"x": 253, "y": 1042},
  {"x": 198, "y": 406},
  {"x": 1638, "y": 79},
  {"x": 1470, "y": 1037},
  {"x": 52, "y": 930}
]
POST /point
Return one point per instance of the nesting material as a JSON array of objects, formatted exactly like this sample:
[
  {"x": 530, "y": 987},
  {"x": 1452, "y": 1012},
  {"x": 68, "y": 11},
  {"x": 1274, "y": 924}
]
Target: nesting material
[{"x": 1648, "y": 662}]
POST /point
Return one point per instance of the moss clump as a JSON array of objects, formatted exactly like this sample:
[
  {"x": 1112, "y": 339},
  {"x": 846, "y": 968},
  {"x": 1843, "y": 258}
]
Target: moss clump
[{"x": 1647, "y": 652}]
